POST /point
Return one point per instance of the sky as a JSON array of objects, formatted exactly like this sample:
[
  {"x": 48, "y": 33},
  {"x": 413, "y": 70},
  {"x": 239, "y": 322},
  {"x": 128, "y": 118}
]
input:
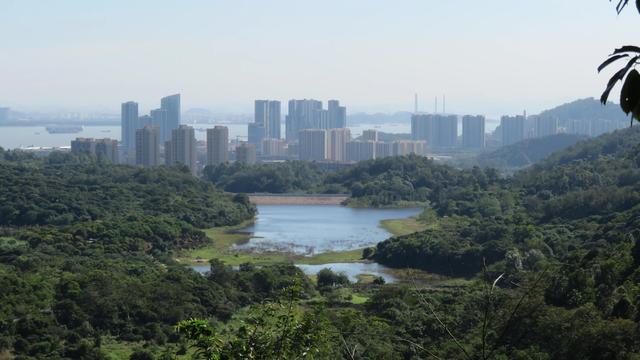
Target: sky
[{"x": 489, "y": 57}]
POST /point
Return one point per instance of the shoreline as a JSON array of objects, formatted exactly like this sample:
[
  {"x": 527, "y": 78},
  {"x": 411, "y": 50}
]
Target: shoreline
[{"x": 295, "y": 199}]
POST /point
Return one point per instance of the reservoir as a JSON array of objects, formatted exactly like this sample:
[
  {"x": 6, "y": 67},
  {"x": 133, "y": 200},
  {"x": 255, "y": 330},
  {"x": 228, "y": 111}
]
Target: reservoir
[{"x": 313, "y": 229}]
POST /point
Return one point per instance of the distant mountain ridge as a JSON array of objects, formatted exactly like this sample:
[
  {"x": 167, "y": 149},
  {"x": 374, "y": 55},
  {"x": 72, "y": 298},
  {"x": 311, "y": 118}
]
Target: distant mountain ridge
[
  {"x": 585, "y": 109},
  {"x": 523, "y": 153}
]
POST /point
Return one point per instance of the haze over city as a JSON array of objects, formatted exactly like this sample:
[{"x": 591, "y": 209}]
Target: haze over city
[{"x": 490, "y": 58}]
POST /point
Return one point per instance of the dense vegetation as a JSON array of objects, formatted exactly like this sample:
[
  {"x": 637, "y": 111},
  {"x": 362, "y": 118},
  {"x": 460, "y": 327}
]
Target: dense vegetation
[
  {"x": 278, "y": 178},
  {"x": 551, "y": 256},
  {"x": 382, "y": 182},
  {"x": 85, "y": 253}
]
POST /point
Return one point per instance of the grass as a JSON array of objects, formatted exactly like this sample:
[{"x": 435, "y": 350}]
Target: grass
[
  {"x": 358, "y": 299},
  {"x": 118, "y": 350},
  {"x": 223, "y": 238},
  {"x": 122, "y": 350},
  {"x": 424, "y": 221}
]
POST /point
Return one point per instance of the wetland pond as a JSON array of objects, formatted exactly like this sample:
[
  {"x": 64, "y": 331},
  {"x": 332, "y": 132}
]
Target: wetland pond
[{"x": 313, "y": 229}]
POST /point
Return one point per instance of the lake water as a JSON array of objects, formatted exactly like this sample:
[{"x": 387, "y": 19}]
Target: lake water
[
  {"x": 312, "y": 229},
  {"x": 12, "y": 137}
]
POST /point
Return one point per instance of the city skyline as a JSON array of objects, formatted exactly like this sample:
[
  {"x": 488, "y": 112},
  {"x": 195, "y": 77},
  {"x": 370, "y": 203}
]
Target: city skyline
[{"x": 527, "y": 48}]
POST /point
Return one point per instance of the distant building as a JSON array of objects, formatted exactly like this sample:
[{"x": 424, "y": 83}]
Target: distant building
[
  {"x": 407, "y": 147},
  {"x": 101, "y": 148},
  {"x": 370, "y": 135},
  {"x": 440, "y": 131},
  {"x": 274, "y": 147},
  {"x": 182, "y": 148},
  {"x": 313, "y": 144},
  {"x": 337, "y": 115},
  {"x": 361, "y": 150},
  {"x": 5, "y": 114},
  {"x": 246, "y": 153},
  {"x": 148, "y": 146},
  {"x": 301, "y": 116},
  {"x": 446, "y": 129},
  {"x": 546, "y": 126},
  {"x": 85, "y": 146},
  {"x": 267, "y": 113},
  {"x": 422, "y": 127},
  {"x": 473, "y": 132},
  {"x": 217, "y": 145},
  {"x": 129, "y": 124},
  {"x": 256, "y": 133},
  {"x": 512, "y": 129},
  {"x": 160, "y": 119},
  {"x": 383, "y": 149},
  {"x": 170, "y": 104},
  {"x": 337, "y": 144}
]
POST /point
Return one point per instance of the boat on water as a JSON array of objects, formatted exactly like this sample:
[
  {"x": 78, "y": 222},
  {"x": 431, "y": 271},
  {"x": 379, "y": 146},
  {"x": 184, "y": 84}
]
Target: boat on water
[
  {"x": 64, "y": 129},
  {"x": 105, "y": 131}
]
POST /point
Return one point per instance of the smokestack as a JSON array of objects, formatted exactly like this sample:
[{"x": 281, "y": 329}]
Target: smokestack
[
  {"x": 444, "y": 104},
  {"x": 415, "y": 103},
  {"x": 436, "y": 109}
]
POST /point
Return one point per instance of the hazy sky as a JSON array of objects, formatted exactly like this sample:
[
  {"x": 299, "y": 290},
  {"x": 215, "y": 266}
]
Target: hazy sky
[{"x": 489, "y": 57}]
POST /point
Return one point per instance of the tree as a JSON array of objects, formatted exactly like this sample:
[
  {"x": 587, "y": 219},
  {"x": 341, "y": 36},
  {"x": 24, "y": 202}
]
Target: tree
[{"x": 630, "y": 92}]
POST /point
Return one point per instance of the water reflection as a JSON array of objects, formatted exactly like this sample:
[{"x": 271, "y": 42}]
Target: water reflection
[{"x": 312, "y": 229}]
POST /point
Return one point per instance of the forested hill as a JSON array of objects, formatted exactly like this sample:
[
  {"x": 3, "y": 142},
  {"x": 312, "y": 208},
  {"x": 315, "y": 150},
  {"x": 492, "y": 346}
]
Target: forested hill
[
  {"x": 585, "y": 109},
  {"x": 66, "y": 193},
  {"x": 382, "y": 182},
  {"x": 575, "y": 198},
  {"x": 523, "y": 153}
]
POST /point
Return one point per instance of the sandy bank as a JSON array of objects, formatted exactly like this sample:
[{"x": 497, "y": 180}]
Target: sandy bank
[{"x": 284, "y": 199}]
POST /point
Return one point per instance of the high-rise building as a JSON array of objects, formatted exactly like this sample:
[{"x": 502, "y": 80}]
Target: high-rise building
[
  {"x": 171, "y": 104},
  {"x": 301, "y": 116},
  {"x": 383, "y": 149},
  {"x": 446, "y": 131},
  {"x": 337, "y": 115},
  {"x": 440, "y": 131},
  {"x": 546, "y": 126},
  {"x": 337, "y": 149},
  {"x": 143, "y": 121},
  {"x": 422, "y": 128},
  {"x": 407, "y": 147},
  {"x": 267, "y": 113},
  {"x": 182, "y": 148},
  {"x": 361, "y": 150},
  {"x": 128, "y": 124},
  {"x": 256, "y": 133},
  {"x": 274, "y": 147},
  {"x": 101, "y": 148},
  {"x": 4, "y": 115},
  {"x": 246, "y": 153},
  {"x": 107, "y": 149},
  {"x": 159, "y": 119},
  {"x": 148, "y": 146},
  {"x": 370, "y": 135},
  {"x": 473, "y": 131},
  {"x": 217, "y": 145},
  {"x": 512, "y": 128},
  {"x": 313, "y": 144},
  {"x": 85, "y": 146}
]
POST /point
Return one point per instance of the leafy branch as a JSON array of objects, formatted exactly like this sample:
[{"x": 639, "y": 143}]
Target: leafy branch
[{"x": 628, "y": 75}]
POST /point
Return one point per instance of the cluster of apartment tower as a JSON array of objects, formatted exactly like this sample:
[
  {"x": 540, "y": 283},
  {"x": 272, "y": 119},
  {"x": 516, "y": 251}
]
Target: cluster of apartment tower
[
  {"x": 311, "y": 133},
  {"x": 315, "y": 133},
  {"x": 143, "y": 138}
]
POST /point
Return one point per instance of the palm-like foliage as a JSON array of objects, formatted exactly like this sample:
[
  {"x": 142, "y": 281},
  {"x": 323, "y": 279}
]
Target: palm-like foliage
[{"x": 630, "y": 92}]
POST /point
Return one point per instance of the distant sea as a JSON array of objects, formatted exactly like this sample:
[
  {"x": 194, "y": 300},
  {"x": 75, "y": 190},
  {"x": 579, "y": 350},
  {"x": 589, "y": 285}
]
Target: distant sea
[{"x": 13, "y": 137}]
